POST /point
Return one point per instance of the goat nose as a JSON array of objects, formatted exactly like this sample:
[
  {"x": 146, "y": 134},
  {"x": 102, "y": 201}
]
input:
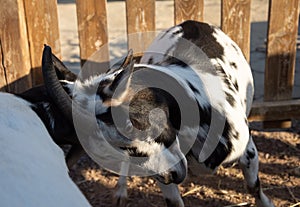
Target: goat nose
[
  {"x": 178, "y": 172},
  {"x": 177, "y": 177}
]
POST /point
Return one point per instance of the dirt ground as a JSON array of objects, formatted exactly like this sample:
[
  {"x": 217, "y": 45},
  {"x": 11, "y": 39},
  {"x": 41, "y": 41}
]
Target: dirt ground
[{"x": 279, "y": 153}]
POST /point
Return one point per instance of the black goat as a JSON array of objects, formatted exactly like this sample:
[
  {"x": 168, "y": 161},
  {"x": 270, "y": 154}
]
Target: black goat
[{"x": 59, "y": 127}]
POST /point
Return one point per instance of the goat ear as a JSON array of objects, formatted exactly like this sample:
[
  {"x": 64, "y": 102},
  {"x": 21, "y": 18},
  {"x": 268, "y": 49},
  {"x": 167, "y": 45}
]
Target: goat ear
[
  {"x": 128, "y": 60},
  {"x": 62, "y": 72},
  {"x": 122, "y": 83},
  {"x": 124, "y": 62},
  {"x": 125, "y": 75}
]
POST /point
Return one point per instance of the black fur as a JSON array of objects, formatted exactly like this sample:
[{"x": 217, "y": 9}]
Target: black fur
[
  {"x": 222, "y": 150},
  {"x": 58, "y": 126},
  {"x": 230, "y": 99},
  {"x": 233, "y": 64},
  {"x": 195, "y": 90},
  {"x": 132, "y": 151},
  {"x": 201, "y": 34}
]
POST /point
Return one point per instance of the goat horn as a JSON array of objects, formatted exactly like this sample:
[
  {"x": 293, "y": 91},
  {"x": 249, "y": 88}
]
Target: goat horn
[
  {"x": 83, "y": 120},
  {"x": 59, "y": 96}
]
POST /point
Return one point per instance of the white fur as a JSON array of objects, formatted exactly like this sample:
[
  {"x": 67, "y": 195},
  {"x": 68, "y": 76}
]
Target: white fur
[
  {"x": 242, "y": 74},
  {"x": 33, "y": 171},
  {"x": 211, "y": 83},
  {"x": 89, "y": 97},
  {"x": 161, "y": 159},
  {"x": 214, "y": 89},
  {"x": 223, "y": 83},
  {"x": 238, "y": 72}
]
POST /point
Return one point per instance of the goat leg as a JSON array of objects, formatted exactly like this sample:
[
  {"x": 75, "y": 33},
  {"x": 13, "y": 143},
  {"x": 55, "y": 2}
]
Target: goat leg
[
  {"x": 73, "y": 155},
  {"x": 249, "y": 163},
  {"x": 120, "y": 196},
  {"x": 171, "y": 195}
]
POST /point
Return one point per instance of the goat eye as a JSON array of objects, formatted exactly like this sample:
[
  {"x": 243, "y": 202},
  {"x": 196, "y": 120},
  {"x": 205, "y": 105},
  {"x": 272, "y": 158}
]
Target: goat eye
[{"x": 106, "y": 117}]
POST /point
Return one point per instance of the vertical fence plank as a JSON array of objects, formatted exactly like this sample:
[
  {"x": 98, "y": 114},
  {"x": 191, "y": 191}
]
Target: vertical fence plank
[
  {"x": 140, "y": 16},
  {"x": 188, "y": 10},
  {"x": 14, "y": 46},
  {"x": 235, "y": 22},
  {"x": 42, "y": 27},
  {"x": 281, "y": 52},
  {"x": 92, "y": 29}
]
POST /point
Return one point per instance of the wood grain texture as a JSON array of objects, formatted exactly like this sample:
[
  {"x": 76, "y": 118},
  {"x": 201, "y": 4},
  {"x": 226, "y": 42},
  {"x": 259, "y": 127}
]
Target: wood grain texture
[
  {"x": 140, "y": 16},
  {"x": 275, "y": 110},
  {"x": 42, "y": 27},
  {"x": 281, "y": 49},
  {"x": 188, "y": 10},
  {"x": 281, "y": 54},
  {"x": 235, "y": 22},
  {"x": 92, "y": 29},
  {"x": 15, "y": 58}
]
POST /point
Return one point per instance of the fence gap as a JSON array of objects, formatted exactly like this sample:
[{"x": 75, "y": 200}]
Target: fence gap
[
  {"x": 42, "y": 28},
  {"x": 281, "y": 54},
  {"x": 92, "y": 29},
  {"x": 15, "y": 59},
  {"x": 188, "y": 10},
  {"x": 140, "y": 16},
  {"x": 3, "y": 78},
  {"x": 235, "y": 22}
]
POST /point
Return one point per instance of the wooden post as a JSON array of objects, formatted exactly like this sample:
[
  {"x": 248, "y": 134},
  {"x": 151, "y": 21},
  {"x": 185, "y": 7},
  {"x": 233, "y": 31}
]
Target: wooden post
[
  {"x": 188, "y": 10},
  {"x": 42, "y": 27},
  {"x": 14, "y": 50},
  {"x": 235, "y": 22},
  {"x": 281, "y": 53},
  {"x": 140, "y": 16},
  {"x": 92, "y": 29},
  {"x": 275, "y": 110}
]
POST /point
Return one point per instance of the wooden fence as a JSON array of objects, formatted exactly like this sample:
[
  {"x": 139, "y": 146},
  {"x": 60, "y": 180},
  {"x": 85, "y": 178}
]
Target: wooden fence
[{"x": 27, "y": 24}]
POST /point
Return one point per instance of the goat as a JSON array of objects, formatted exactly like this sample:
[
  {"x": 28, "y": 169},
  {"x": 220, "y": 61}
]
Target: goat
[
  {"x": 141, "y": 115},
  {"x": 33, "y": 171},
  {"x": 59, "y": 127},
  {"x": 61, "y": 130}
]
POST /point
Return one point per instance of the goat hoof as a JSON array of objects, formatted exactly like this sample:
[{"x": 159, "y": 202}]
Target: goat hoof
[
  {"x": 120, "y": 197},
  {"x": 119, "y": 201}
]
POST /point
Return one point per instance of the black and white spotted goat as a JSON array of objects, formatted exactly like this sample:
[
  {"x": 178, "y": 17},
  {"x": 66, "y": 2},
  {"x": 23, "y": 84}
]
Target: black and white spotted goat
[{"x": 205, "y": 65}]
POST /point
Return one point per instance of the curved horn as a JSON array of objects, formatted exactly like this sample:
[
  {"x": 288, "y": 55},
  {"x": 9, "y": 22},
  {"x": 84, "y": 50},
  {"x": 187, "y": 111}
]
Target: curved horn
[
  {"x": 53, "y": 85},
  {"x": 84, "y": 121},
  {"x": 69, "y": 109}
]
